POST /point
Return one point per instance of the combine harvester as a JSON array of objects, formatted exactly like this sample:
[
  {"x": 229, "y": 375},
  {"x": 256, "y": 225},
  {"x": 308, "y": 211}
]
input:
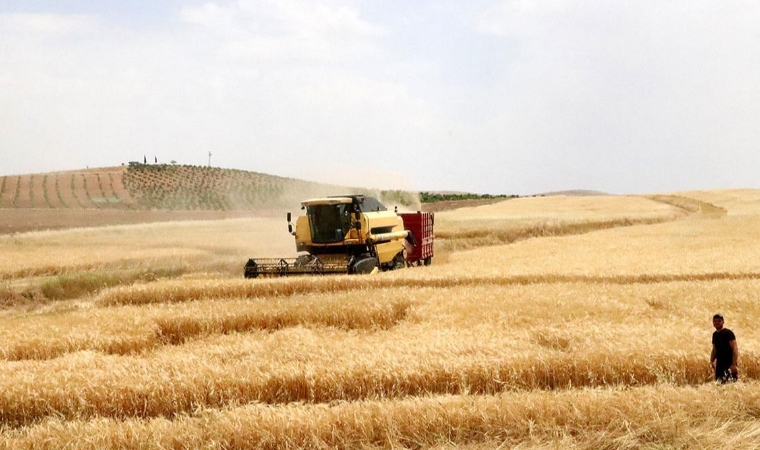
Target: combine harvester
[{"x": 351, "y": 234}]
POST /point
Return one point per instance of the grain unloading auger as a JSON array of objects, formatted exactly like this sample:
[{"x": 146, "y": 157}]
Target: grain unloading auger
[{"x": 351, "y": 234}]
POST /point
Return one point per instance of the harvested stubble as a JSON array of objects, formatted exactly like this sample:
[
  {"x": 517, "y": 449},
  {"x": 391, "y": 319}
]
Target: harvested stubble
[
  {"x": 153, "y": 245},
  {"x": 106, "y": 258},
  {"x": 677, "y": 417}
]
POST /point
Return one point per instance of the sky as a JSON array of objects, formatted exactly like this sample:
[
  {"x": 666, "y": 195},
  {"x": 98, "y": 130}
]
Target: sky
[{"x": 484, "y": 96}]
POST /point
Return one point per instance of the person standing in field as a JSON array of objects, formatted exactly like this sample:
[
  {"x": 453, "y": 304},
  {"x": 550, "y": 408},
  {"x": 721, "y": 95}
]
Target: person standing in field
[{"x": 725, "y": 352}]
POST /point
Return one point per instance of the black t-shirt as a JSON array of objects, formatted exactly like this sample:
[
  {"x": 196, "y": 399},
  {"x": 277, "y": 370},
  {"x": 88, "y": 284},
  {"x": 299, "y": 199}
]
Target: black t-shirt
[{"x": 722, "y": 342}]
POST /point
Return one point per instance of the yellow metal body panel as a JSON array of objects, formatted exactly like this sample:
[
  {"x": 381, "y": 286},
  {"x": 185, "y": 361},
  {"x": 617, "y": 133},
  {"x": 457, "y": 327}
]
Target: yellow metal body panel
[
  {"x": 388, "y": 250},
  {"x": 389, "y": 221},
  {"x": 385, "y": 221},
  {"x": 327, "y": 201},
  {"x": 303, "y": 234}
]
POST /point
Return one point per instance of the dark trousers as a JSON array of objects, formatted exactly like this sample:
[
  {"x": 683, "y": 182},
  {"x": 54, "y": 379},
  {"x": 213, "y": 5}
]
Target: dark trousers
[{"x": 724, "y": 374}]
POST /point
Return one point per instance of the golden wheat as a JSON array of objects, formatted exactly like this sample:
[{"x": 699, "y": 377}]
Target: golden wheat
[
  {"x": 599, "y": 340},
  {"x": 537, "y": 209},
  {"x": 105, "y": 330},
  {"x": 519, "y": 219},
  {"x": 735, "y": 201},
  {"x": 468, "y": 339},
  {"x": 700, "y": 247},
  {"x": 683, "y": 417}
]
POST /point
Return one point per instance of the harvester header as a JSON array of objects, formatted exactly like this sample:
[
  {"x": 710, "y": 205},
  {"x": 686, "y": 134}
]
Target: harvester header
[{"x": 351, "y": 234}]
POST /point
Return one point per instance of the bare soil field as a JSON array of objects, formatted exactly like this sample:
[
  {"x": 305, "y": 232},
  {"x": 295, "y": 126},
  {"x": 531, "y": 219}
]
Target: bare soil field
[
  {"x": 50, "y": 193},
  {"x": 64, "y": 191},
  {"x": 25, "y": 196}
]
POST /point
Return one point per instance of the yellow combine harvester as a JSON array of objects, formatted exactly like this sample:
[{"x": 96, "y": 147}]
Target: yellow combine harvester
[{"x": 351, "y": 234}]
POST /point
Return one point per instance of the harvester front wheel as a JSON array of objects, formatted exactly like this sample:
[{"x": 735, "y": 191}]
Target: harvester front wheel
[
  {"x": 251, "y": 269},
  {"x": 364, "y": 265}
]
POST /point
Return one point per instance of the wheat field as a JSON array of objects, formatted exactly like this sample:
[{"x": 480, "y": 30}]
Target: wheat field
[{"x": 543, "y": 323}]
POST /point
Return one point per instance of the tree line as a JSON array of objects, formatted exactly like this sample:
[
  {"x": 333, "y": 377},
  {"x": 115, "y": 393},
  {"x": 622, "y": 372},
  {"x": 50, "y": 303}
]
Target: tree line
[{"x": 432, "y": 197}]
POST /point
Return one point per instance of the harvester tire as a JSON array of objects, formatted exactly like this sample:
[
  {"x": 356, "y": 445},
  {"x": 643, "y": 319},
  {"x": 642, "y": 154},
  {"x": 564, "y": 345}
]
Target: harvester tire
[
  {"x": 251, "y": 269},
  {"x": 364, "y": 265},
  {"x": 399, "y": 262}
]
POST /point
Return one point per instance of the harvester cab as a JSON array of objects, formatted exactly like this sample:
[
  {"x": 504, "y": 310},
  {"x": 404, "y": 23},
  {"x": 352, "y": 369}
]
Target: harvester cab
[{"x": 351, "y": 234}]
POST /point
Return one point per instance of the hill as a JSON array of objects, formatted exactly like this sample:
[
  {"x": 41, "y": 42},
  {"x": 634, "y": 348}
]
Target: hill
[
  {"x": 170, "y": 187},
  {"x": 140, "y": 193}
]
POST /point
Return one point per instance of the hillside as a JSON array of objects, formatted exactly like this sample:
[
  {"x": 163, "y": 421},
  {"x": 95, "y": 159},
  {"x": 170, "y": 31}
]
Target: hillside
[
  {"x": 170, "y": 187},
  {"x": 141, "y": 193}
]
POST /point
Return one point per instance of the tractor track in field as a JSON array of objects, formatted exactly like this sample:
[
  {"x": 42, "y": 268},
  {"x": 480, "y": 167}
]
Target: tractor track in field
[{"x": 690, "y": 206}]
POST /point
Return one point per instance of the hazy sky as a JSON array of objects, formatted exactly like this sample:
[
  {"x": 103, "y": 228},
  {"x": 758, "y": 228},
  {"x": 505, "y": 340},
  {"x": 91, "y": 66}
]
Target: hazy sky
[{"x": 500, "y": 97}]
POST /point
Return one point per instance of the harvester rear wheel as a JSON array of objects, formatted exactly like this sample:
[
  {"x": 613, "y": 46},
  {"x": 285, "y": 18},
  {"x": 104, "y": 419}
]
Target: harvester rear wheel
[{"x": 399, "y": 262}]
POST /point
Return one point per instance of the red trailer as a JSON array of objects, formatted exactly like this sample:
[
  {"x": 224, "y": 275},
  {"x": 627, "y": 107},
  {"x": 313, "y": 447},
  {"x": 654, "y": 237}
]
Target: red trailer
[{"x": 421, "y": 226}]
